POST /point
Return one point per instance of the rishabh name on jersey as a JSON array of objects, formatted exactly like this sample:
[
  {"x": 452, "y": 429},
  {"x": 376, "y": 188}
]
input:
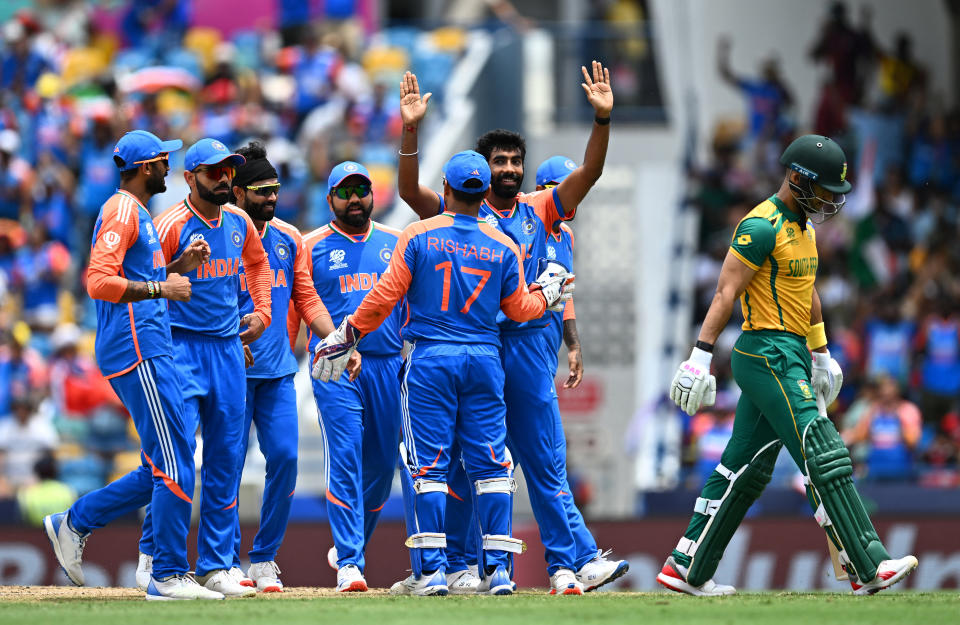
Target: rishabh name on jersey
[
  {"x": 770, "y": 240},
  {"x": 215, "y": 285},
  {"x": 345, "y": 267},
  {"x": 129, "y": 333},
  {"x": 560, "y": 249},
  {"x": 462, "y": 269},
  {"x": 271, "y": 352},
  {"x": 528, "y": 223}
]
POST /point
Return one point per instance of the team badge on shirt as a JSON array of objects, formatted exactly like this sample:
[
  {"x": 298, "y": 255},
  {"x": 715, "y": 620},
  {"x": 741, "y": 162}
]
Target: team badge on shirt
[
  {"x": 236, "y": 239},
  {"x": 385, "y": 254},
  {"x": 805, "y": 389},
  {"x": 529, "y": 225},
  {"x": 282, "y": 251},
  {"x": 336, "y": 259}
]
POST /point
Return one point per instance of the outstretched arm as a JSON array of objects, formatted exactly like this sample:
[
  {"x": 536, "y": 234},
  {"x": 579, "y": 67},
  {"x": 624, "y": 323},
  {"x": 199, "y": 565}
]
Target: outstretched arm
[
  {"x": 723, "y": 62},
  {"x": 575, "y": 186},
  {"x": 735, "y": 275},
  {"x": 420, "y": 198}
]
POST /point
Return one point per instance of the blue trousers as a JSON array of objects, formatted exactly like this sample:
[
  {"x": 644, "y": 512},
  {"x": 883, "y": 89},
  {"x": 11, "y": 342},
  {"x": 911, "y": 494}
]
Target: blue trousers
[
  {"x": 536, "y": 439},
  {"x": 272, "y": 406},
  {"x": 211, "y": 369},
  {"x": 360, "y": 423},
  {"x": 460, "y": 522},
  {"x": 152, "y": 394},
  {"x": 453, "y": 393}
]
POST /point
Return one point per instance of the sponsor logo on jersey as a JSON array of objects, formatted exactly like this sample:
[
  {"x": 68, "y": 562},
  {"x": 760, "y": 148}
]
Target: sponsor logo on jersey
[
  {"x": 385, "y": 254},
  {"x": 529, "y": 225},
  {"x": 235, "y": 238},
  {"x": 149, "y": 227},
  {"x": 744, "y": 239},
  {"x": 551, "y": 252},
  {"x": 196, "y": 236},
  {"x": 111, "y": 238},
  {"x": 492, "y": 220},
  {"x": 337, "y": 259},
  {"x": 282, "y": 251}
]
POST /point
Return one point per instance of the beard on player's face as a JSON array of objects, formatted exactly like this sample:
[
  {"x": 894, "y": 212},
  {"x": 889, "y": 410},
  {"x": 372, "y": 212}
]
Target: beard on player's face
[
  {"x": 259, "y": 209},
  {"x": 506, "y": 184},
  {"x": 156, "y": 181},
  {"x": 354, "y": 212},
  {"x": 218, "y": 194}
]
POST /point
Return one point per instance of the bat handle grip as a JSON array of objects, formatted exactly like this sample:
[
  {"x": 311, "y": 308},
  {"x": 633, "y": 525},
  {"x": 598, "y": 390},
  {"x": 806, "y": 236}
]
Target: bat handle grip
[{"x": 821, "y": 405}]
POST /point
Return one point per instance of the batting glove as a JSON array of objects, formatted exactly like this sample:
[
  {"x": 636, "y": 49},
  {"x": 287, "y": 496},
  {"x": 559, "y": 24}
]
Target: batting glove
[
  {"x": 693, "y": 387},
  {"x": 826, "y": 376},
  {"x": 332, "y": 353}
]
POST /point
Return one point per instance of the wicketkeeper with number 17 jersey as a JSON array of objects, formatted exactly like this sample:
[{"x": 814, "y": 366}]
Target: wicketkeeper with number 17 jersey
[
  {"x": 771, "y": 266},
  {"x": 457, "y": 273}
]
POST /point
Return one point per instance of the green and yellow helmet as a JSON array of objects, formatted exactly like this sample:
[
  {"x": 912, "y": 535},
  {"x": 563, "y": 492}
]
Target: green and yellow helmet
[{"x": 820, "y": 161}]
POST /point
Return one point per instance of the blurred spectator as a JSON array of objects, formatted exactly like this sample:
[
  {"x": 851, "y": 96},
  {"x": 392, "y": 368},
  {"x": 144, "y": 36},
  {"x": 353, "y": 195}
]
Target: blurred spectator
[
  {"x": 53, "y": 200},
  {"x": 839, "y": 46},
  {"x": 98, "y": 174},
  {"x": 16, "y": 177},
  {"x": 47, "y": 494},
  {"x": 888, "y": 341},
  {"x": 23, "y": 440},
  {"x": 23, "y": 371},
  {"x": 37, "y": 270},
  {"x": 891, "y": 427},
  {"x": 900, "y": 74},
  {"x": 938, "y": 348}
]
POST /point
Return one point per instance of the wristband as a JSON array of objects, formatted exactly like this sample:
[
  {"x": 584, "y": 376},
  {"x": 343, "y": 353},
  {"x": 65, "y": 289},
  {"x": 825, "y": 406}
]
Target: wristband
[
  {"x": 411, "y": 128},
  {"x": 707, "y": 347},
  {"x": 816, "y": 337},
  {"x": 151, "y": 290},
  {"x": 601, "y": 121}
]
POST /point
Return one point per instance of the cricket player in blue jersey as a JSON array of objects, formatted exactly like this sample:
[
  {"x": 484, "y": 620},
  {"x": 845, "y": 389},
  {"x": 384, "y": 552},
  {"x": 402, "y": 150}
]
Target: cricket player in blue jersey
[
  {"x": 359, "y": 419},
  {"x": 271, "y": 396},
  {"x": 209, "y": 345},
  {"x": 457, "y": 273},
  {"x": 527, "y": 352},
  {"x": 128, "y": 279}
]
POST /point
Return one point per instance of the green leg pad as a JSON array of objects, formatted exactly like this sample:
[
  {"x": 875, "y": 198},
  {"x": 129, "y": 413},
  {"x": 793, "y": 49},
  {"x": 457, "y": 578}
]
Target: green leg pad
[
  {"x": 728, "y": 513},
  {"x": 846, "y": 521}
]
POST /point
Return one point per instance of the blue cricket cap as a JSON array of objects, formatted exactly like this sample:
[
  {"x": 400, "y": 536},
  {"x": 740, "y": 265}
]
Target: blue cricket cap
[
  {"x": 345, "y": 170},
  {"x": 140, "y": 145},
  {"x": 464, "y": 166},
  {"x": 554, "y": 169},
  {"x": 210, "y": 152}
]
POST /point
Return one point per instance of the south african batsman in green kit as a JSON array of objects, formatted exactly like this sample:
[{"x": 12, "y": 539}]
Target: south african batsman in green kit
[{"x": 771, "y": 266}]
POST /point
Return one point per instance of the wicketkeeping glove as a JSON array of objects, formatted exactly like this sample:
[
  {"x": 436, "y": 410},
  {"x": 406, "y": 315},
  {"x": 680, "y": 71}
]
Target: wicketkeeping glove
[
  {"x": 826, "y": 376},
  {"x": 557, "y": 285},
  {"x": 693, "y": 387},
  {"x": 332, "y": 353}
]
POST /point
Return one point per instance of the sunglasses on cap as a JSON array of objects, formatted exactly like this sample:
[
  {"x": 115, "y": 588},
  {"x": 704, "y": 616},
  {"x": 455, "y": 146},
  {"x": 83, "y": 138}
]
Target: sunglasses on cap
[
  {"x": 264, "y": 190},
  {"x": 347, "y": 191},
  {"x": 163, "y": 156},
  {"x": 217, "y": 172}
]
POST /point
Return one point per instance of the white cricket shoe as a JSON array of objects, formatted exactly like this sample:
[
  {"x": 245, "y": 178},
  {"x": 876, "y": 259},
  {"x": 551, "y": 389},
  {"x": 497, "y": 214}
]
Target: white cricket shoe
[
  {"x": 888, "y": 573},
  {"x": 674, "y": 577},
  {"x": 600, "y": 571},
  {"x": 144, "y": 570},
  {"x": 350, "y": 579},
  {"x": 237, "y": 573},
  {"x": 332, "y": 558},
  {"x": 497, "y": 583},
  {"x": 221, "y": 581},
  {"x": 434, "y": 585},
  {"x": 67, "y": 544},
  {"x": 179, "y": 588},
  {"x": 464, "y": 582},
  {"x": 405, "y": 586},
  {"x": 266, "y": 575},
  {"x": 564, "y": 582}
]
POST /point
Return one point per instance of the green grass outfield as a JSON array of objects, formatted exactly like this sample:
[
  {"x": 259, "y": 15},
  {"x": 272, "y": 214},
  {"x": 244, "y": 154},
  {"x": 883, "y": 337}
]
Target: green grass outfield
[{"x": 526, "y": 608}]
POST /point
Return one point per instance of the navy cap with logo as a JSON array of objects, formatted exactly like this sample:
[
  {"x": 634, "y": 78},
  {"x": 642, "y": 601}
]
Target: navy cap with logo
[
  {"x": 345, "y": 170},
  {"x": 554, "y": 170},
  {"x": 139, "y": 146},
  {"x": 210, "y": 152},
  {"x": 465, "y": 166}
]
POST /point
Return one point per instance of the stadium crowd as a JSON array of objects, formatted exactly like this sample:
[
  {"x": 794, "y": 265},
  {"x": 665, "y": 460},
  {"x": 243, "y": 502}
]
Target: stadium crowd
[
  {"x": 74, "y": 77},
  {"x": 887, "y": 268}
]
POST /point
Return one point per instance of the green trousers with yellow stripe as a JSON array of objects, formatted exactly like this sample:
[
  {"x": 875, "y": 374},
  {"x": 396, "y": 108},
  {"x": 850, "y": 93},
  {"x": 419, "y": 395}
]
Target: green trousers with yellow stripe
[{"x": 775, "y": 408}]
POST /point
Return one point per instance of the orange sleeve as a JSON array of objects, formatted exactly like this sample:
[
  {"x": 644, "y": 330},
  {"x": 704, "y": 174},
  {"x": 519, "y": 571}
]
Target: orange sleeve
[
  {"x": 522, "y": 305},
  {"x": 390, "y": 289},
  {"x": 257, "y": 268},
  {"x": 168, "y": 233},
  {"x": 304, "y": 296},
  {"x": 568, "y": 311},
  {"x": 119, "y": 229},
  {"x": 293, "y": 325},
  {"x": 547, "y": 206}
]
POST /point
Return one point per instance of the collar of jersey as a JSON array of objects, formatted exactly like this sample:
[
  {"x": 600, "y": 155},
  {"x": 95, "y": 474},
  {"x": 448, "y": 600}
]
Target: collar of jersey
[
  {"x": 353, "y": 238},
  {"x": 502, "y": 215},
  {"x": 196, "y": 213},
  {"x": 450, "y": 213},
  {"x": 266, "y": 226},
  {"x": 132, "y": 197},
  {"x": 783, "y": 208},
  {"x": 557, "y": 236}
]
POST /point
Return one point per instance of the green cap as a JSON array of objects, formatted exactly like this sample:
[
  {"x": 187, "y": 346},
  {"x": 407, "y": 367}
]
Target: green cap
[{"x": 820, "y": 159}]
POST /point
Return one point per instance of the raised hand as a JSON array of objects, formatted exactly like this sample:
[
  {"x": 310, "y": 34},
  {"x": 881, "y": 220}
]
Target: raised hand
[
  {"x": 176, "y": 287},
  {"x": 597, "y": 88},
  {"x": 412, "y": 106}
]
